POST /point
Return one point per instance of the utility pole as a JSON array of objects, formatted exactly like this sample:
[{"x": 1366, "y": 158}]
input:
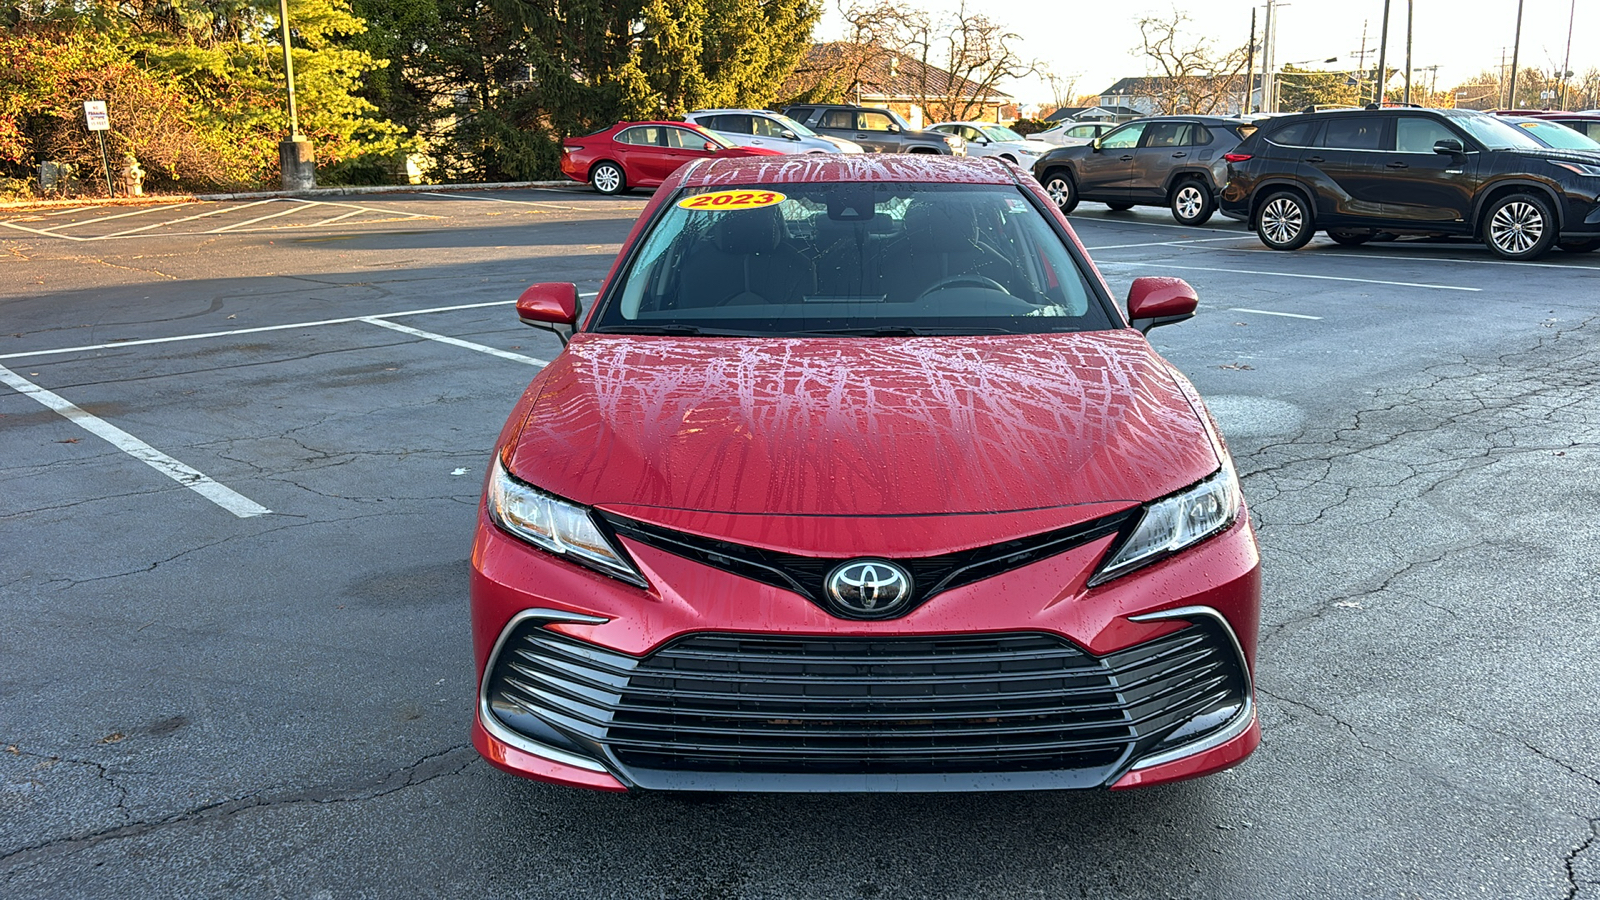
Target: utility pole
[
  {"x": 1250, "y": 75},
  {"x": 1566, "y": 62},
  {"x": 1361, "y": 67},
  {"x": 1500, "y": 89},
  {"x": 1516, "y": 47},
  {"x": 296, "y": 160},
  {"x": 1267, "y": 104},
  {"x": 1433, "y": 80},
  {"x": 1409, "y": 5},
  {"x": 1383, "y": 54}
]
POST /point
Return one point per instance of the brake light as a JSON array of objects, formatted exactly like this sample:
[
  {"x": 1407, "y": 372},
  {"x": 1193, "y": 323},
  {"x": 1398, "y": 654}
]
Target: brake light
[
  {"x": 1236, "y": 157},
  {"x": 566, "y": 149}
]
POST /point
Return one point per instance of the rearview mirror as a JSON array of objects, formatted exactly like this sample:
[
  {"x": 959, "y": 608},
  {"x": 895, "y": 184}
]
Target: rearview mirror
[
  {"x": 552, "y": 306},
  {"x": 1160, "y": 300},
  {"x": 1449, "y": 147}
]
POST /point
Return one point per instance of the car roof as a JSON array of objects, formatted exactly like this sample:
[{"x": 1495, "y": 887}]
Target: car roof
[
  {"x": 680, "y": 124},
  {"x": 746, "y": 112},
  {"x": 865, "y": 167},
  {"x": 1203, "y": 120}
]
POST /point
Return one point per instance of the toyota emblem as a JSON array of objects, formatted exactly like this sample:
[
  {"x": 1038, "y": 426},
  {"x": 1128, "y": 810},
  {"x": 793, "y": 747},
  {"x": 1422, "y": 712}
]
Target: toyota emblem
[{"x": 870, "y": 588}]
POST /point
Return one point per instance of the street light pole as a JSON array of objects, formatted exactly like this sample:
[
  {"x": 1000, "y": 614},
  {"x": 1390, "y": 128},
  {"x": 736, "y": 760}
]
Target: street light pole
[
  {"x": 1516, "y": 46},
  {"x": 1566, "y": 62},
  {"x": 1250, "y": 75},
  {"x": 1267, "y": 86},
  {"x": 1383, "y": 54},
  {"x": 1409, "y": 5},
  {"x": 297, "y": 162}
]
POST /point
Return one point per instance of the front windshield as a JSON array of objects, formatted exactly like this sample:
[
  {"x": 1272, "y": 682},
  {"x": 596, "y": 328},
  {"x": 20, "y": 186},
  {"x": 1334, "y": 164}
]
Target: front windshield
[
  {"x": 1000, "y": 133},
  {"x": 791, "y": 124},
  {"x": 852, "y": 258},
  {"x": 1496, "y": 134},
  {"x": 1559, "y": 136},
  {"x": 904, "y": 125}
]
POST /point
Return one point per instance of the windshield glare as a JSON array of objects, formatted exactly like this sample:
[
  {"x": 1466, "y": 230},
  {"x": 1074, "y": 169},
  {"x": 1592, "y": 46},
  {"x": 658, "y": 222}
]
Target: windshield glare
[
  {"x": 1559, "y": 136},
  {"x": 1001, "y": 133},
  {"x": 1496, "y": 134},
  {"x": 853, "y": 258},
  {"x": 791, "y": 124}
]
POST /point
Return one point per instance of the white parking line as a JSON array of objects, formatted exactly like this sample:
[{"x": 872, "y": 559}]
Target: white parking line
[
  {"x": 540, "y": 203},
  {"x": 1323, "y": 252},
  {"x": 64, "y": 237},
  {"x": 1163, "y": 243},
  {"x": 455, "y": 342},
  {"x": 1268, "y": 312},
  {"x": 191, "y": 478},
  {"x": 289, "y": 211},
  {"x": 137, "y": 212},
  {"x": 1107, "y": 221},
  {"x": 1415, "y": 284},
  {"x": 214, "y": 212}
]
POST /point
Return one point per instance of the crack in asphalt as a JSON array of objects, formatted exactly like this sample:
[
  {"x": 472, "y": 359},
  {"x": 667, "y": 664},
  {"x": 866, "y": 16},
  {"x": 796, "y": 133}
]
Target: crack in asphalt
[
  {"x": 441, "y": 764},
  {"x": 1570, "y": 860},
  {"x": 100, "y": 769}
]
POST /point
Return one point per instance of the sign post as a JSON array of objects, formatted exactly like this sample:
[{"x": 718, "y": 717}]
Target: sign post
[{"x": 99, "y": 122}]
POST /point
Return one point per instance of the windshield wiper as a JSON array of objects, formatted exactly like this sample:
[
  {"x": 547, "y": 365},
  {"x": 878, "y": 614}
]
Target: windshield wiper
[
  {"x": 905, "y": 331},
  {"x": 675, "y": 328}
]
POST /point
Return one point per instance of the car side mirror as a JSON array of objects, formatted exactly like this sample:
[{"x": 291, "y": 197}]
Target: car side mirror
[
  {"x": 710, "y": 147},
  {"x": 1448, "y": 147},
  {"x": 552, "y": 306},
  {"x": 788, "y": 135},
  {"x": 893, "y": 128},
  {"x": 1094, "y": 146},
  {"x": 1160, "y": 300}
]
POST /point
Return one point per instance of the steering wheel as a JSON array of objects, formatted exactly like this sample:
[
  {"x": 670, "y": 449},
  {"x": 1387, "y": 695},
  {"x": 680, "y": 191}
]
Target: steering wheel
[{"x": 970, "y": 279}]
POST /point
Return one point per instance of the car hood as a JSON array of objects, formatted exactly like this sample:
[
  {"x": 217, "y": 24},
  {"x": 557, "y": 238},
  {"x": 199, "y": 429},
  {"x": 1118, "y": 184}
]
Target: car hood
[{"x": 861, "y": 426}]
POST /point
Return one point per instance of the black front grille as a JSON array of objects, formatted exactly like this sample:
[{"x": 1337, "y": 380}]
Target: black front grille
[
  {"x": 714, "y": 710},
  {"x": 930, "y": 575}
]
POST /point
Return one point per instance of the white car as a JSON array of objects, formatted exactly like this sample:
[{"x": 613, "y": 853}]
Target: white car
[
  {"x": 763, "y": 128},
  {"x": 1073, "y": 134},
  {"x": 989, "y": 139}
]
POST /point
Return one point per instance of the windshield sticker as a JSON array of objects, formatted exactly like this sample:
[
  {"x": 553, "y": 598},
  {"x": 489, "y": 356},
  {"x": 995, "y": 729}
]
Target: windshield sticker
[{"x": 717, "y": 201}]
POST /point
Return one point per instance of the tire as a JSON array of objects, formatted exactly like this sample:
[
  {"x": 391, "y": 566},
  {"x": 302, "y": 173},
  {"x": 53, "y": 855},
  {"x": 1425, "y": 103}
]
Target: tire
[
  {"x": 1350, "y": 238},
  {"x": 1519, "y": 227},
  {"x": 1119, "y": 207},
  {"x": 1285, "y": 221},
  {"x": 608, "y": 178},
  {"x": 1579, "y": 246},
  {"x": 1191, "y": 203},
  {"x": 1008, "y": 158},
  {"x": 1062, "y": 189}
]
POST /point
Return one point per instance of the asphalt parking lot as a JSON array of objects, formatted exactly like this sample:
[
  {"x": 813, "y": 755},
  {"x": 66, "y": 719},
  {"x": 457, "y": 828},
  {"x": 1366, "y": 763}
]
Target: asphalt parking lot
[{"x": 240, "y": 452}]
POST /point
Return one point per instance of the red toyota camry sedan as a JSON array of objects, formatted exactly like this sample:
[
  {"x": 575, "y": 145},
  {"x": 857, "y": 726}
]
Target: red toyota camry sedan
[
  {"x": 644, "y": 154},
  {"x": 854, "y": 477}
]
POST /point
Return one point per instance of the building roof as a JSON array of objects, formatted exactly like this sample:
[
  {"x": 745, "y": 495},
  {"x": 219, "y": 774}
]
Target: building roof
[
  {"x": 896, "y": 76},
  {"x": 1148, "y": 84},
  {"x": 1078, "y": 112}
]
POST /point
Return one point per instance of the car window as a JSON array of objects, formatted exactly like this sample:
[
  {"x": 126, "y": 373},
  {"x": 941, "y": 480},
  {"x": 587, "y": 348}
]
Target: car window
[
  {"x": 734, "y": 124},
  {"x": 1418, "y": 134},
  {"x": 1496, "y": 133},
  {"x": 874, "y": 121},
  {"x": 644, "y": 135},
  {"x": 852, "y": 257},
  {"x": 1200, "y": 136},
  {"x": 1353, "y": 133},
  {"x": 800, "y": 113},
  {"x": 1083, "y": 131},
  {"x": 1000, "y": 133},
  {"x": 1299, "y": 134},
  {"x": 1559, "y": 136},
  {"x": 944, "y": 129},
  {"x": 838, "y": 118},
  {"x": 1168, "y": 134},
  {"x": 1123, "y": 138},
  {"x": 972, "y": 134}
]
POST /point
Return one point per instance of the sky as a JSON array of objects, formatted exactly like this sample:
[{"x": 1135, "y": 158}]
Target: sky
[{"x": 1093, "y": 40}]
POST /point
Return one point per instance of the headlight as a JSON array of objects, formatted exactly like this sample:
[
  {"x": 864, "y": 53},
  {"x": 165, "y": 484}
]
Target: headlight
[
  {"x": 1579, "y": 168},
  {"x": 551, "y": 523},
  {"x": 1181, "y": 520}
]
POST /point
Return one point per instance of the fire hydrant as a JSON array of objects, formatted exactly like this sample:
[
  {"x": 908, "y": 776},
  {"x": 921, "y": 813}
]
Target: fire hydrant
[{"x": 130, "y": 182}]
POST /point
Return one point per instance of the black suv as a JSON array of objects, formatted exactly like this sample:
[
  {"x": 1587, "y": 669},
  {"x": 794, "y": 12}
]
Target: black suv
[
  {"x": 1171, "y": 161},
  {"x": 876, "y": 130},
  {"x": 1360, "y": 173}
]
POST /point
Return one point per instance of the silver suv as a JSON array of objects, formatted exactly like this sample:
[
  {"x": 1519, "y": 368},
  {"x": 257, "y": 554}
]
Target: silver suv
[
  {"x": 876, "y": 130},
  {"x": 774, "y": 131}
]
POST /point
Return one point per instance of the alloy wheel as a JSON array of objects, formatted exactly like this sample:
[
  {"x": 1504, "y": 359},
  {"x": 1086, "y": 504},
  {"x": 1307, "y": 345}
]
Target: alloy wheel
[
  {"x": 1516, "y": 227},
  {"x": 1059, "y": 189},
  {"x": 1281, "y": 221},
  {"x": 1188, "y": 202},
  {"x": 607, "y": 179}
]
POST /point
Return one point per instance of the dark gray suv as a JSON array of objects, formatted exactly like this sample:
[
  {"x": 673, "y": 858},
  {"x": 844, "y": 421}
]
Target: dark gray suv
[
  {"x": 876, "y": 130},
  {"x": 1171, "y": 161}
]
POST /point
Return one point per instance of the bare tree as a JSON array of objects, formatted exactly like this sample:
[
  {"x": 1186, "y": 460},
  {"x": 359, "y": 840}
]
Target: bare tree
[
  {"x": 1063, "y": 88},
  {"x": 1189, "y": 75},
  {"x": 976, "y": 53}
]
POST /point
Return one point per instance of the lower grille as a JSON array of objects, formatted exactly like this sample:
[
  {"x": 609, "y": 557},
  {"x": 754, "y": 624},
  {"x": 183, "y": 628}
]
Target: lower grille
[{"x": 711, "y": 710}]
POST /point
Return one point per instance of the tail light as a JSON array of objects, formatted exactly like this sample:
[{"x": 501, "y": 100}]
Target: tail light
[
  {"x": 1236, "y": 157},
  {"x": 566, "y": 149}
]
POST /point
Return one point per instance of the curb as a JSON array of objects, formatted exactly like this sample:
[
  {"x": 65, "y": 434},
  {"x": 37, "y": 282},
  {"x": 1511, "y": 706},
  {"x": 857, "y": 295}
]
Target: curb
[{"x": 272, "y": 195}]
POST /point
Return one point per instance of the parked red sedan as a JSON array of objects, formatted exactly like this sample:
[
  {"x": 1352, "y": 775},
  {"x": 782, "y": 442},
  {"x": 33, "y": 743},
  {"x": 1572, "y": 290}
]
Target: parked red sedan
[
  {"x": 643, "y": 154},
  {"x": 856, "y": 478}
]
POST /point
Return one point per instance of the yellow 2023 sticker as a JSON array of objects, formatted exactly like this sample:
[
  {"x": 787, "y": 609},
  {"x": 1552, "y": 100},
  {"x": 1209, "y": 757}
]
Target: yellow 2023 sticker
[{"x": 717, "y": 201}]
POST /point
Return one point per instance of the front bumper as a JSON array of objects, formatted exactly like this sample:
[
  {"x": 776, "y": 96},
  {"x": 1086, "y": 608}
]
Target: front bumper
[{"x": 616, "y": 688}]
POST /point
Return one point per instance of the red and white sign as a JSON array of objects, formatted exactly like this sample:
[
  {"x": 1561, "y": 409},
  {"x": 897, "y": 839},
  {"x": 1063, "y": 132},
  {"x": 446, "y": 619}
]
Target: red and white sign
[{"x": 94, "y": 113}]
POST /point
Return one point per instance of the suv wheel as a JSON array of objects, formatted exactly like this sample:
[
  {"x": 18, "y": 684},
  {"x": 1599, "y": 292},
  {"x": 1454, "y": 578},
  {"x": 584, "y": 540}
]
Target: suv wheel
[
  {"x": 1191, "y": 203},
  {"x": 1351, "y": 238},
  {"x": 607, "y": 178},
  {"x": 1058, "y": 184},
  {"x": 1519, "y": 226},
  {"x": 1580, "y": 246},
  {"x": 1285, "y": 222}
]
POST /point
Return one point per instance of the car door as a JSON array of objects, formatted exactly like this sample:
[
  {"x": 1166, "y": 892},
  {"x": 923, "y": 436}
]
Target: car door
[
  {"x": 1344, "y": 167},
  {"x": 841, "y": 123},
  {"x": 877, "y": 130},
  {"x": 683, "y": 147},
  {"x": 1103, "y": 174},
  {"x": 644, "y": 154},
  {"x": 768, "y": 133},
  {"x": 1164, "y": 146},
  {"x": 735, "y": 126},
  {"x": 1421, "y": 185}
]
